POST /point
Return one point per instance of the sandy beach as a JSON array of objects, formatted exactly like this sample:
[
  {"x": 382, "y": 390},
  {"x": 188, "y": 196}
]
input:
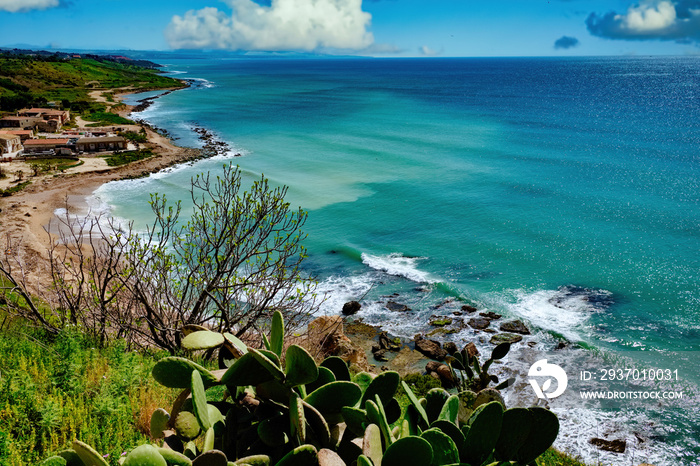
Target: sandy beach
[{"x": 26, "y": 214}]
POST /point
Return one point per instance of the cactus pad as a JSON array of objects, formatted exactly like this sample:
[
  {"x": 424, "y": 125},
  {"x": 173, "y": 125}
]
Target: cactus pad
[
  {"x": 88, "y": 455},
  {"x": 202, "y": 340},
  {"x": 300, "y": 367},
  {"x": 175, "y": 372},
  {"x": 384, "y": 385},
  {"x": 186, "y": 425},
  {"x": 145, "y": 455},
  {"x": 408, "y": 450},
  {"x": 330, "y": 398}
]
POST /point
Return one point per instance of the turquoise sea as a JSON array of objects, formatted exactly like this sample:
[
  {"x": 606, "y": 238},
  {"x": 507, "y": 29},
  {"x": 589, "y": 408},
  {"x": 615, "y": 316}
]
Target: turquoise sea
[{"x": 563, "y": 192}]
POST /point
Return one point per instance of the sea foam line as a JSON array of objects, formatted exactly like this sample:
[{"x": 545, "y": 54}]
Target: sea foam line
[{"x": 399, "y": 265}]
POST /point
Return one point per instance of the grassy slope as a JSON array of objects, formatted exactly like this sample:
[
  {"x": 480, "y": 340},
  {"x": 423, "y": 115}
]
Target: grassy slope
[
  {"x": 68, "y": 79},
  {"x": 55, "y": 389}
]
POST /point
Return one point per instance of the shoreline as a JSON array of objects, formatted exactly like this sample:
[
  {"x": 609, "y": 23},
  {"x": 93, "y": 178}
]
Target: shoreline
[{"x": 28, "y": 214}]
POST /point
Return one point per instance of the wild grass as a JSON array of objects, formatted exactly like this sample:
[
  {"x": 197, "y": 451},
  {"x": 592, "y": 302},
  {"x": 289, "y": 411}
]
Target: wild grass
[{"x": 56, "y": 389}]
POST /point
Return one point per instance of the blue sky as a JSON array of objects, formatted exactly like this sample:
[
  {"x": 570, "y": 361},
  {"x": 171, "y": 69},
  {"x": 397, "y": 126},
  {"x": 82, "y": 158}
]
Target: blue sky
[{"x": 365, "y": 27}]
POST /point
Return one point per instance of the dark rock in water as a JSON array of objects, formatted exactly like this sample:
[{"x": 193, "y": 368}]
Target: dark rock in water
[
  {"x": 490, "y": 330},
  {"x": 469, "y": 309},
  {"x": 351, "y": 307},
  {"x": 531, "y": 344},
  {"x": 457, "y": 313},
  {"x": 479, "y": 323},
  {"x": 430, "y": 348},
  {"x": 561, "y": 345},
  {"x": 615, "y": 446},
  {"x": 450, "y": 347},
  {"x": 505, "y": 338},
  {"x": 471, "y": 349},
  {"x": 598, "y": 299},
  {"x": 515, "y": 326},
  {"x": 396, "y": 307},
  {"x": 490, "y": 315}
]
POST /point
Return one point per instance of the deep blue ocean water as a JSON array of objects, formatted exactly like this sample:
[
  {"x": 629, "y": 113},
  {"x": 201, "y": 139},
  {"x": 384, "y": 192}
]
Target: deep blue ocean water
[{"x": 564, "y": 192}]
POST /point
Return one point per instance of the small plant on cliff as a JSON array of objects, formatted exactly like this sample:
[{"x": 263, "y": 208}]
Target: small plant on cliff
[
  {"x": 280, "y": 408},
  {"x": 473, "y": 375}
]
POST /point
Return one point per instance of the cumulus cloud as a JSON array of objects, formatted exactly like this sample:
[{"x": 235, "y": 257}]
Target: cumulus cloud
[
  {"x": 650, "y": 20},
  {"x": 284, "y": 25},
  {"x": 428, "y": 52},
  {"x": 566, "y": 42},
  {"x": 14, "y": 6}
]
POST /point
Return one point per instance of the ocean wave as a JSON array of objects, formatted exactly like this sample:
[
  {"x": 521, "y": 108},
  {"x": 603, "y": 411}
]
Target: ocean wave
[
  {"x": 339, "y": 290},
  {"x": 565, "y": 311},
  {"x": 399, "y": 265}
]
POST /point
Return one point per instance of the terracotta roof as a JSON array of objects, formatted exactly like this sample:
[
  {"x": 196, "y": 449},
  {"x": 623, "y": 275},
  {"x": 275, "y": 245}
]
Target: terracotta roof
[
  {"x": 16, "y": 117},
  {"x": 17, "y": 131},
  {"x": 45, "y": 142},
  {"x": 8, "y": 137}
]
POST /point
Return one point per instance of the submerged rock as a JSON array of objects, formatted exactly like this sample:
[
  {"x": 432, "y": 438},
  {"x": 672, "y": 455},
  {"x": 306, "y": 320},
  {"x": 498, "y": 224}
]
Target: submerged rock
[
  {"x": 479, "y": 323},
  {"x": 505, "y": 338},
  {"x": 469, "y": 309},
  {"x": 615, "y": 446},
  {"x": 396, "y": 307},
  {"x": 490, "y": 315},
  {"x": 515, "y": 326}
]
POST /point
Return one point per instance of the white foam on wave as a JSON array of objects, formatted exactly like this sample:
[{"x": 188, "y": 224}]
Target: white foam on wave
[
  {"x": 550, "y": 310},
  {"x": 203, "y": 82},
  {"x": 339, "y": 290},
  {"x": 398, "y": 265}
]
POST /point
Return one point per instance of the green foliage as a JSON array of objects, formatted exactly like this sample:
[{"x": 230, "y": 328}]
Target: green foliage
[
  {"x": 134, "y": 137},
  {"x": 54, "y": 389},
  {"x": 270, "y": 416},
  {"x": 14, "y": 189},
  {"x": 122, "y": 158},
  {"x": 420, "y": 384},
  {"x": 106, "y": 119},
  {"x": 474, "y": 376},
  {"x": 27, "y": 81}
]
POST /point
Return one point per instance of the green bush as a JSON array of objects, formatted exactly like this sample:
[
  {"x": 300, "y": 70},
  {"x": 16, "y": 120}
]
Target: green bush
[{"x": 122, "y": 158}]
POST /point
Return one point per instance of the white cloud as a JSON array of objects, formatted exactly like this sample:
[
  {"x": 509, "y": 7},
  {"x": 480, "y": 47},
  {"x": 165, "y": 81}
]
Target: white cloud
[
  {"x": 284, "y": 25},
  {"x": 648, "y": 17},
  {"x": 428, "y": 52},
  {"x": 14, "y": 6},
  {"x": 677, "y": 20}
]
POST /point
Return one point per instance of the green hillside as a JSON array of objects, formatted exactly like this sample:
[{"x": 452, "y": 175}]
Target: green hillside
[{"x": 29, "y": 81}]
